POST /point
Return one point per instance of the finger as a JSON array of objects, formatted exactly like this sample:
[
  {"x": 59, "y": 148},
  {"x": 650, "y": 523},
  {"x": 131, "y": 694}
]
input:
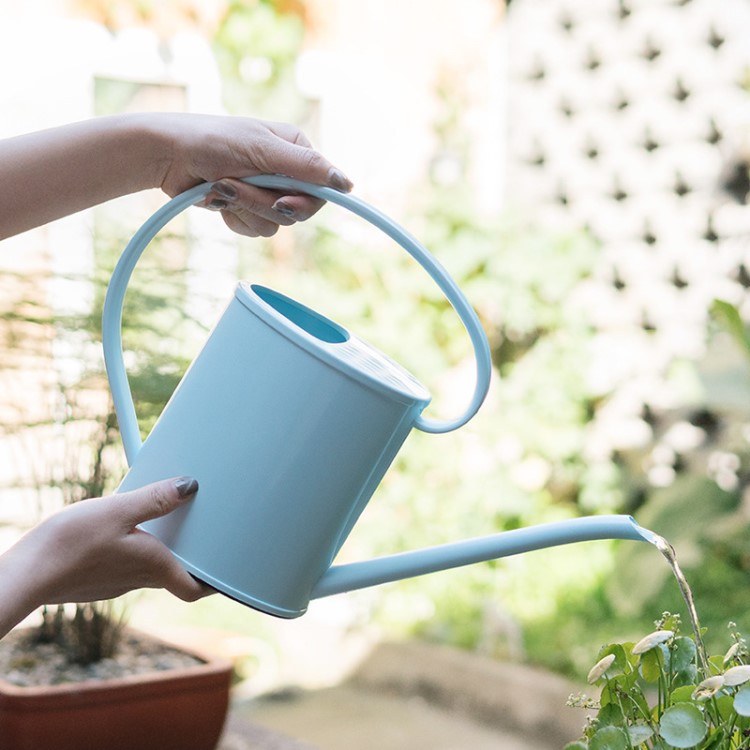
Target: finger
[
  {"x": 155, "y": 500},
  {"x": 245, "y": 200},
  {"x": 164, "y": 571},
  {"x": 282, "y": 156},
  {"x": 272, "y": 205},
  {"x": 247, "y": 209},
  {"x": 182, "y": 585},
  {"x": 297, "y": 207},
  {"x": 288, "y": 132},
  {"x": 250, "y": 225}
]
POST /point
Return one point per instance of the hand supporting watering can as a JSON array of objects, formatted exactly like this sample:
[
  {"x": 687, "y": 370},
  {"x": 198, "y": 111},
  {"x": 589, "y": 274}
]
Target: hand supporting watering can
[{"x": 94, "y": 549}]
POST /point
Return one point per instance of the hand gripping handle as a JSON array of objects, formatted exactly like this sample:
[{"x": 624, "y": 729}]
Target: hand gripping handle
[{"x": 112, "y": 315}]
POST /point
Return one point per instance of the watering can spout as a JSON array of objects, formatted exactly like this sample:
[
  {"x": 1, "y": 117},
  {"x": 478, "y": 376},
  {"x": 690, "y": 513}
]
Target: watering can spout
[{"x": 352, "y": 576}]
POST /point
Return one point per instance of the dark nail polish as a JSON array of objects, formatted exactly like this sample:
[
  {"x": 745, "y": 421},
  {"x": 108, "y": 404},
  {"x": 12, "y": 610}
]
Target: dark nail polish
[
  {"x": 217, "y": 204},
  {"x": 186, "y": 486},
  {"x": 284, "y": 209},
  {"x": 225, "y": 190},
  {"x": 338, "y": 180}
]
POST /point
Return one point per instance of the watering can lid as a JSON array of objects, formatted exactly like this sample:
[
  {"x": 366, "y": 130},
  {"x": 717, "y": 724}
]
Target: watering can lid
[{"x": 341, "y": 349}]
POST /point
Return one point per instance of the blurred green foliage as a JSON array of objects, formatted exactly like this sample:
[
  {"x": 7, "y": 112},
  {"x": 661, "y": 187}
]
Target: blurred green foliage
[{"x": 256, "y": 46}]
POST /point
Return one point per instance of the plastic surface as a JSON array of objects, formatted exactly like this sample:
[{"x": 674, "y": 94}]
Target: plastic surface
[{"x": 357, "y": 575}]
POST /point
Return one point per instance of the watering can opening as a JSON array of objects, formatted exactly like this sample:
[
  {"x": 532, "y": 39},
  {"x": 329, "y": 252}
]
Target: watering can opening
[{"x": 308, "y": 320}]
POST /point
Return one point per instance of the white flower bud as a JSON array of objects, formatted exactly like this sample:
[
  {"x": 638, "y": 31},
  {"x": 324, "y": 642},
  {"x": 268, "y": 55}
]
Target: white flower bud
[
  {"x": 600, "y": 668},
  {"x": 652, "y": 640},
  {"x": 737, "y": 675},
  {"x": 709, "y": 687}
]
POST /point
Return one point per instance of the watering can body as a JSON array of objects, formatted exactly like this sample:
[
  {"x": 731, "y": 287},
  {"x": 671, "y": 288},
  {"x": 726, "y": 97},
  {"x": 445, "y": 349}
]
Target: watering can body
[{"x": 289, "y": 422}]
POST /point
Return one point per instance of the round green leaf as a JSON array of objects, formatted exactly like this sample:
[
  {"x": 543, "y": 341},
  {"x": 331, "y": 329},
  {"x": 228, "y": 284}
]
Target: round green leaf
[
  {"x": 652, "y": 662},
  {"x": 576, "y": 746},
  {"x": 742, "y": 701},
  {"x": 639, "y": 733},
  {"x": 688, "y": 676},
  {"x": 682, "y": 653},
  {"x": 610, "y": 716},
  {"x": 636, "y": 705},
  {"x": 609, "y": 738},
  {"x": 682, "y": 725},
  {"x": 724, "y": 704},
  {"x": 716, "y": 663},
  {"x": 682, "y": 694}
]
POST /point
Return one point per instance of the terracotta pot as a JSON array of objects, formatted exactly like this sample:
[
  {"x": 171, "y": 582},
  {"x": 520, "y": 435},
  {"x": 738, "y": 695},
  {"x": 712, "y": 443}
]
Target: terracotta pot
[{"x": 178, "y": 709}]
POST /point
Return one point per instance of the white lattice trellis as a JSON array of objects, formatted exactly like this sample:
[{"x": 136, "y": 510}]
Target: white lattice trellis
[{"x": 632, "y": 118}]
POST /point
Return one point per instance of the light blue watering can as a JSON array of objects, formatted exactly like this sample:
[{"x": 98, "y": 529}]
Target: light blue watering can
[{"x": 289, "y": 422}]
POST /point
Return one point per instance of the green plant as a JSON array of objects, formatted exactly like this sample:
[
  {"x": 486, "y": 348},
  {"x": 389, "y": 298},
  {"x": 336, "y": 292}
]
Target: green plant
[
  {"x": 81, "y": 456},
  {"x": 656, "y": 694},
  {"x": 92, "y": 631},
  {"x": 256, "y": 47}
]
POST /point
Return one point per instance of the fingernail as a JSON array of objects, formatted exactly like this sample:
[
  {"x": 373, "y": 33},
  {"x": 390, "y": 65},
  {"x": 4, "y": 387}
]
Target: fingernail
[
  {"x": 283, "y": 208},
  {"x": 225, "y": 190},
  {"x": 337, "y": 179},
  {"x": 217, "y": 204},
  {"x": 186, "y": 486}
]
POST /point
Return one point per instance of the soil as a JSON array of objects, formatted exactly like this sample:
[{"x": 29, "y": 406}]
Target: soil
[{"x": 26, "y": 663}]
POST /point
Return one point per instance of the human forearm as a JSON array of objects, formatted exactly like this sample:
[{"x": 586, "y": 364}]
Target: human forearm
[
  {"x": 17, "y": 598},
  {"x": 56, "y": 172}
]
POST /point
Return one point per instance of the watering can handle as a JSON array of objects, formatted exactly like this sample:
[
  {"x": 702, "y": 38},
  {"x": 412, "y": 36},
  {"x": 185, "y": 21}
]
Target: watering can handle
[{"x": 112, "y": 315}]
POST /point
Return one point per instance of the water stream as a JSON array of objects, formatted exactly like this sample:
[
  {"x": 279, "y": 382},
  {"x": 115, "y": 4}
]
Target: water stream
[{"x": 670, "y": 555}]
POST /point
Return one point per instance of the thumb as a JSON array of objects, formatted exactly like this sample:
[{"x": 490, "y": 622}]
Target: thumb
[
  {"x": 306, "y": 164},
  {"x": 156, "y": 500}
]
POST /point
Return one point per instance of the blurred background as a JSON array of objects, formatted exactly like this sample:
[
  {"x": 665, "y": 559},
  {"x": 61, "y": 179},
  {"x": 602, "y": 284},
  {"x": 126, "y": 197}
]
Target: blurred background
[{"x": 581, "y": 168}]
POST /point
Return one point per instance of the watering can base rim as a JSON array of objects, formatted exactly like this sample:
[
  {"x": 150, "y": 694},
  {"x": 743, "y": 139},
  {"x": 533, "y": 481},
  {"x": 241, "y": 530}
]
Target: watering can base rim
[{"x": 239, "y": 596}]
